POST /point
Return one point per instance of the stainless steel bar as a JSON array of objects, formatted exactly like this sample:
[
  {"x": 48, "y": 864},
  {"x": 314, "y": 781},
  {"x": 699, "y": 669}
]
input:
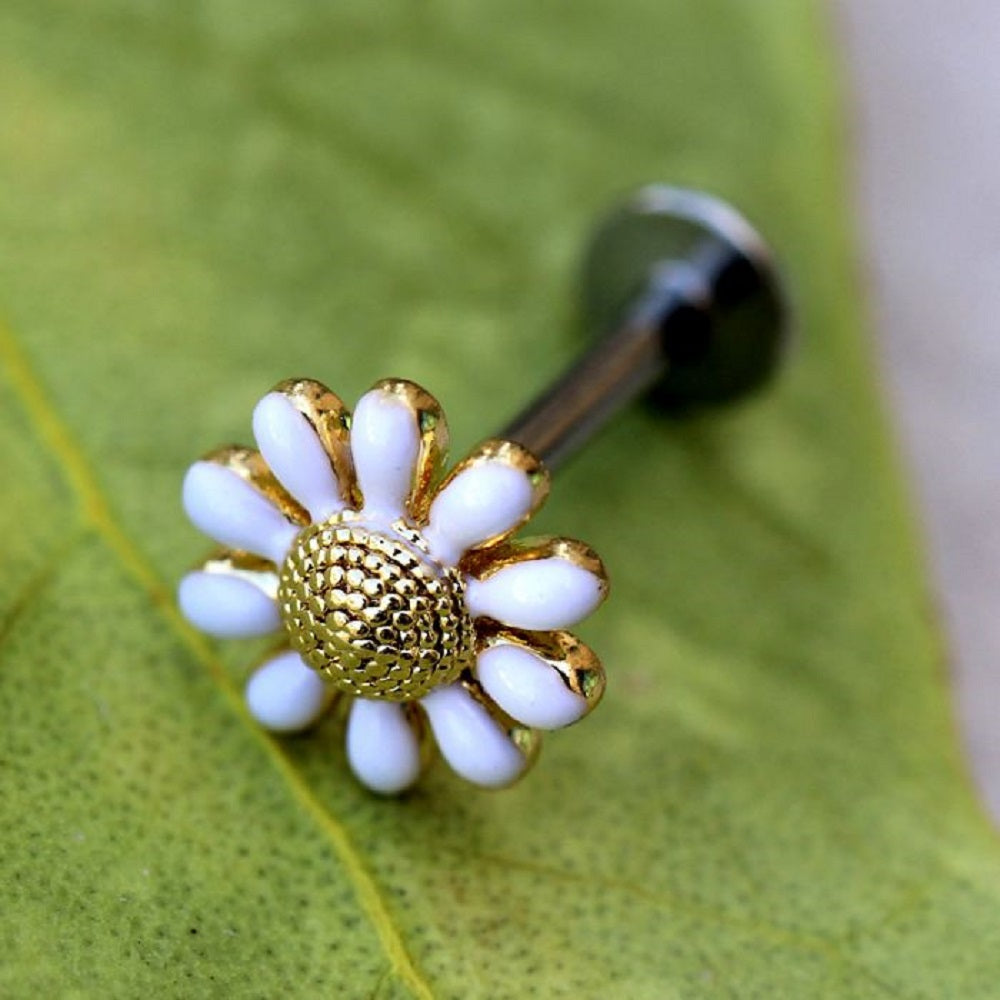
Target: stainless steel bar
[{"x": 617, "y": 370}]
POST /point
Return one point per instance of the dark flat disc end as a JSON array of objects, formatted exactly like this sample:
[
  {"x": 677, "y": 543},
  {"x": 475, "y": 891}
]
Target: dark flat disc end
[{"x": 724, "y": 323}]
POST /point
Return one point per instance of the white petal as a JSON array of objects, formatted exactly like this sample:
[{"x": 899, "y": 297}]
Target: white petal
[
  {"x": 382, "y": 748},
  {"x": 528, "y": 688},
  {"x": 482, "y": 502},
  {"x": 284, "y": 695},
  {"x": 536, "y": 594},
  {"x": 227, "y": 508},
  {"x": 230, "y": 607},
  {"x": 294, "y": 454},
  {"x": 385, "y": 443},
  {"x": 471, "y": 741}
]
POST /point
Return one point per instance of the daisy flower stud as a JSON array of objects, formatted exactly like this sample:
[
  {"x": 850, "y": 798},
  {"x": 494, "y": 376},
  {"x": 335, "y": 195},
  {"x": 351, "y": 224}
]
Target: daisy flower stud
[{"x": 394, "y": 584}]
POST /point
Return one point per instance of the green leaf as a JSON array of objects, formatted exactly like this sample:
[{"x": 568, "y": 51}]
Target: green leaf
[{"x": 197, "y": 200}]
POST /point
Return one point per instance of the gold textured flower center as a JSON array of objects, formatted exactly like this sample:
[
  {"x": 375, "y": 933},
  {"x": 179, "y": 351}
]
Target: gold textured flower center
[{"x": 371, "y": 613}]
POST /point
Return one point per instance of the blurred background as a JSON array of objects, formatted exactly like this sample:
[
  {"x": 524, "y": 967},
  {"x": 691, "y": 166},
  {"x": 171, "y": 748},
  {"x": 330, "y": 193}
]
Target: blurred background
[
  {"x": 199, "y": 199},
  {"x": 923, "y": 101}
]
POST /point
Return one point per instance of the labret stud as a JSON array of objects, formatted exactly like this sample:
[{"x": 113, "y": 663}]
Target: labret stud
[{"x": 400, "y": 587}]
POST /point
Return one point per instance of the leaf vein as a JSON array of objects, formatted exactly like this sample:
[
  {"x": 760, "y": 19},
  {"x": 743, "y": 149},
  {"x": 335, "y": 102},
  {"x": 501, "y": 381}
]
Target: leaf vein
[
  {"x": 97, "y": 512},
  {"x": 38, "y": 581}
]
